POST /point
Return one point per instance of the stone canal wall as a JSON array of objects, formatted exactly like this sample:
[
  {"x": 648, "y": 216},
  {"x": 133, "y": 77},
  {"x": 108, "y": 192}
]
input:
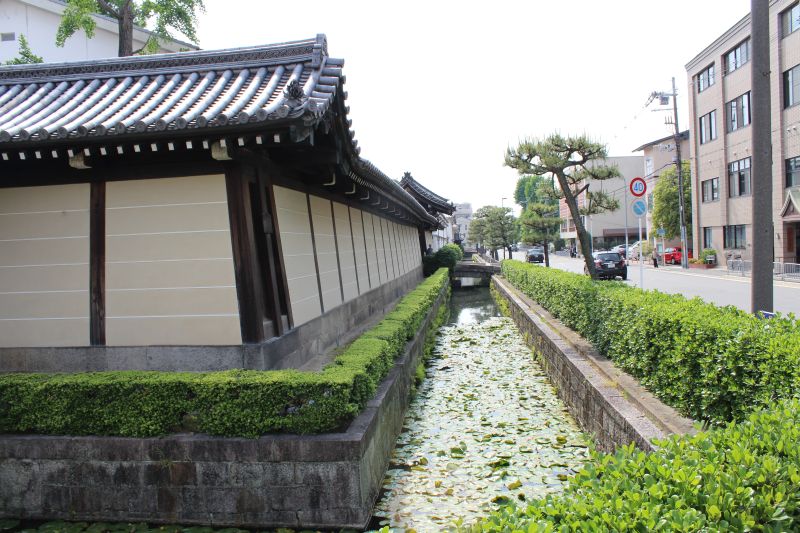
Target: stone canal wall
[
  {"x": 314, "y": 481},
  {"x": 607, "y": 402}
]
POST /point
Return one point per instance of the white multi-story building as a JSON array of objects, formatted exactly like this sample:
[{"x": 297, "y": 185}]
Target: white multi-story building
[
  {"x": 38, "y": 21},
  {"x": 721, "y": 138},
  {"x": 462, "y": 218}
]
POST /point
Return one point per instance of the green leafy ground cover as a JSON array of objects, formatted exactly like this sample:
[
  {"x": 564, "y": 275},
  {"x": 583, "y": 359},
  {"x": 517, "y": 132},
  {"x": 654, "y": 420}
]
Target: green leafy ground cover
[
  {"x": 742, "y": 477},
  {"x": 714, "y": 364},
  {"x": 486, "y": 427},
  {"x": 243, "y": 403}
]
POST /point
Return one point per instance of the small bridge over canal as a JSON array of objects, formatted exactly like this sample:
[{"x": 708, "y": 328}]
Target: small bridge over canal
[{"x": 482, "y": 271}]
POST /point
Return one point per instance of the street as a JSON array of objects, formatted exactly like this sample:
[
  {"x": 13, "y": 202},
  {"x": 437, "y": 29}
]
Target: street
[{"x": 711, "y": 285}]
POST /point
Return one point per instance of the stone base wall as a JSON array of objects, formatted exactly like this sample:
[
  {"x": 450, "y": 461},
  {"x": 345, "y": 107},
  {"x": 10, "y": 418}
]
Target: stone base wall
[
  {"x": 294, "y": 349},
  {"x": 607, "y": 402},
  {"x": 313, "y": 481}
]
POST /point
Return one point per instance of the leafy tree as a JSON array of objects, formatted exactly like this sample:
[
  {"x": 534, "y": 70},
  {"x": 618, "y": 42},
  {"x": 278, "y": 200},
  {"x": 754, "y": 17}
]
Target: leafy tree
[
  {"x": 477, "y": 232},
  {"x": 496, "y": 228},
  {"x": 573, "y": 161},
  {"x": 540, "y": 224},
  {"x": 25, "y": 55},
  {"x": 666, "y": 208},
  {"x": 531, "y": 190},
  {"x": 165, "y": 15}
]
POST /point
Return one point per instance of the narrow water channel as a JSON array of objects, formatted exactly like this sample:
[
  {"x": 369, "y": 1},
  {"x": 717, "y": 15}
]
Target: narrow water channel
[{"x": 485, "y": 427}]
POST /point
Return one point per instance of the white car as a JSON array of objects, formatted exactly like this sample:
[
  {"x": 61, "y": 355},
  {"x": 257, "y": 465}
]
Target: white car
[{"x": 633, "y": 250}]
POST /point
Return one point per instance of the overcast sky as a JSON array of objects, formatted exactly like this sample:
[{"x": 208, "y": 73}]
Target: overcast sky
[{"x": 441, "y": 88}]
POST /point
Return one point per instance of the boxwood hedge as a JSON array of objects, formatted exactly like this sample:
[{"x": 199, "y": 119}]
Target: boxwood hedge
[
  {"x": 741, "y": 477},
  {"x": 243, "y": 403},
  {"x": 712, "y": 363}
]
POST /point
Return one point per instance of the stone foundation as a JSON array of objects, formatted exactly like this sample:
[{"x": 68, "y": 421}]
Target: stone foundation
[{"x": 607, "y": 402}]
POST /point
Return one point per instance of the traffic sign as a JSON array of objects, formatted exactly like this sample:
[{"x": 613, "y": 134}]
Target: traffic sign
[
  {"x": 661, "y": 232},
  {"x": 638, "y": 187},
  {"x": 639, "y": 208}
]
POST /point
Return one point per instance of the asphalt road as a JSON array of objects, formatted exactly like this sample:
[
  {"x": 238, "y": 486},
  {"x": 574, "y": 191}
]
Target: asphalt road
[{"x": 711, "y": 285}]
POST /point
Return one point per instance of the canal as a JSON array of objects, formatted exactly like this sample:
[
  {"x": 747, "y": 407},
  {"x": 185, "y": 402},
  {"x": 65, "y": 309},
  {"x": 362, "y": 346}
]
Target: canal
[{"x": 485, "y": 427}]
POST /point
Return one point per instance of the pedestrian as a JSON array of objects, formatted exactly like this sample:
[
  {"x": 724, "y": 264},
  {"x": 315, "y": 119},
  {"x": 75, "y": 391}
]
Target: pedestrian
[
  {"x": 429, "y": 251},
  {"x": 655, "y": 260}
]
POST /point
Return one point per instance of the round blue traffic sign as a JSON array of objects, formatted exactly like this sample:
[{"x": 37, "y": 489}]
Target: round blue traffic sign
[{"x": 639, "y": 208}]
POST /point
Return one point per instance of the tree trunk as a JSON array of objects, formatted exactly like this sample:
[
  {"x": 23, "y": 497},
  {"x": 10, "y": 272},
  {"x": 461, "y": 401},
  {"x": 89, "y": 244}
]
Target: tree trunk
[
  {"x": 546, "y": 254},
  {"x": 126, "y": 30},
  {"x": 583, "y": 237}
]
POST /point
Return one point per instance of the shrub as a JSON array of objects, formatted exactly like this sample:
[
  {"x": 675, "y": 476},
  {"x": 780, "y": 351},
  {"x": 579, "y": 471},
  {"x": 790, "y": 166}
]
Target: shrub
[
  {"x": 445, "y": 257},
  {"x": 713, "y": 364},
  {"x": 741, "y": 477},
  {"x": 243, "y": 403}
]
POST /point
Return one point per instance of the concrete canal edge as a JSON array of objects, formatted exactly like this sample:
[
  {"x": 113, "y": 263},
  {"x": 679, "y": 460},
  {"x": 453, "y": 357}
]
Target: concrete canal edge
[
  {"x": 300, "y": 481},
  {"x": 607, "y": 402}
]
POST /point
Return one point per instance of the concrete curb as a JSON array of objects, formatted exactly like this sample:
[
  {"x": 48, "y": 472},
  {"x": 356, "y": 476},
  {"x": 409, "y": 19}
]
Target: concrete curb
[{"x": 606, "y": 401}]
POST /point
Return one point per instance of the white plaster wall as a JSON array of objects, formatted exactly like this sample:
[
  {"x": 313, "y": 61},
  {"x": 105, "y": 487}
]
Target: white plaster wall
[
  {"x": 373, "y": 262},
  {"x": 44, "y": 266},
  {"x": 298, "y": 254},
  {"x": 347, "y": 260},
  {"x": 169, "y": 264},
  {"x": 359, "y": 242},
  {"x": 326, "y": 252}
]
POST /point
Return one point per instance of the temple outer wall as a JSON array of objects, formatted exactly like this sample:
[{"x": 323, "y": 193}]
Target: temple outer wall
[
  {"x": 299, "y": 345},
  {"x": 315, "y": 481}
]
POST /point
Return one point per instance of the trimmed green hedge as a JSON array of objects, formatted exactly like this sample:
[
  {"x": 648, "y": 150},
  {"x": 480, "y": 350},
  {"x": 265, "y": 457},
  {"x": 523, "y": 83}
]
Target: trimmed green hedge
[
  {"x": 243, "y": 403},
  {"x": 713, "y": 364},
  {"x": 743, "y": 477}
]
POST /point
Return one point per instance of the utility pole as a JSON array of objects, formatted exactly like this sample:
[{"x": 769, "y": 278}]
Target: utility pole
[
  {"x": 679, "y": 164},
  {"x": 681, "y": 202},
  {"x": 761, "y": 288}
]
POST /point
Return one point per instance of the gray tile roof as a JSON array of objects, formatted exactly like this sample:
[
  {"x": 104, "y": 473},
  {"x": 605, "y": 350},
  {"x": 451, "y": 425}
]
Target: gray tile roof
[
  {"x": 426, "y": 197},
  {"x": 210, "y": 94},
  {"x": 158, "y": 93}
]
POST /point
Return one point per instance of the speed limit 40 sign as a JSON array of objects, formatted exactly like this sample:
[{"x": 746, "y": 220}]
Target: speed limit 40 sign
[{"x": 638, "y": 187}]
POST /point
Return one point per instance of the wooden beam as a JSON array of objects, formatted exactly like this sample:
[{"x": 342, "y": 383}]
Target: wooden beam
[
  {"x": 248, "y": 287},
  {"x": 97, "y": 263}
]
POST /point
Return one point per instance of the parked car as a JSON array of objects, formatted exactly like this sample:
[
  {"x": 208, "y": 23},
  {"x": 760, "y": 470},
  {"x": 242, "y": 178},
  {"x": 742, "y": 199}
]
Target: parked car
[
  {"x": 620, "y": 249},
  {"x": 673, "y": 256},
  {"x": 609, "y": 265},
  {"x": 536, "y": 255}
]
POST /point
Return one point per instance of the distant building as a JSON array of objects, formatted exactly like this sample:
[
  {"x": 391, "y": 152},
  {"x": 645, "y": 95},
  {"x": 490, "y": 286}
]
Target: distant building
[
  {"x": 38, "y": 21},
  {"x": 439, "y": 207},
  {"x": 660, "y": 155},
  {"x": 462, "y": 218},
  {"x": 606, "y": 229},
  {"x": 719, "y": 106}
]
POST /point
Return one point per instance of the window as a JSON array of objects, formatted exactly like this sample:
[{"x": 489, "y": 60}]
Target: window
[
  {"x": 8, "y": 37},
  {"x": 793, "y": 171},
  {"x": 790, "y": 20},
  {"x": 734, "y": 237},
  {"x": 707, "y": 241},
  {"x": 711, "y": 190},
  {"x": 739, "y": 178},
  {"x": 708, "y": 127},
  {"x": 738, "y": 112},
  {"x": 791, "y": 87},
  {"x": 705, "y": 79},
  {"x": 737, "y": 57}
]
